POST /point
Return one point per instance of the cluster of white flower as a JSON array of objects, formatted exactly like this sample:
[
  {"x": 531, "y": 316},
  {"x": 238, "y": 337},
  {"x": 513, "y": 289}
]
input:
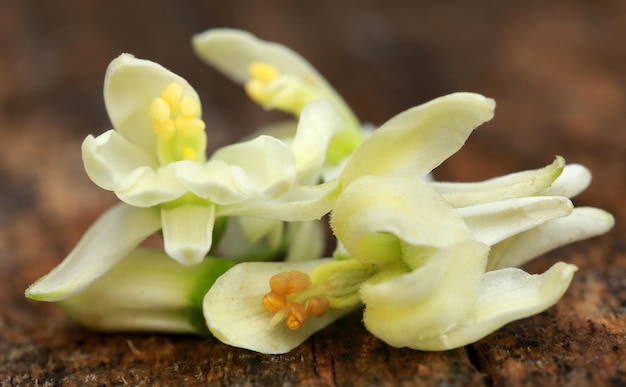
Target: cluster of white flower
[{"x": 433, "y": 263}]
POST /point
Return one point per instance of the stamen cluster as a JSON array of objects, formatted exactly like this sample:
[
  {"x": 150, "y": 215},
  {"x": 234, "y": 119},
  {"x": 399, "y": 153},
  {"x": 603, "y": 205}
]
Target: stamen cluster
[{"x": 288, "y": 297}]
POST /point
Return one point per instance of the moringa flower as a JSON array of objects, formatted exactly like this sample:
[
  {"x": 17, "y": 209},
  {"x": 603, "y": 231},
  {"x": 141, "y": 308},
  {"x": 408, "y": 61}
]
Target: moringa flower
[
  {"x": 419, "y": 255},
  {"x": 154, "y": 160}
]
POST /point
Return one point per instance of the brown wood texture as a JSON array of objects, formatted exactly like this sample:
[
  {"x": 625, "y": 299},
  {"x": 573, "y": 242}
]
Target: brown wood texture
[{"x": 556, "y": 69}]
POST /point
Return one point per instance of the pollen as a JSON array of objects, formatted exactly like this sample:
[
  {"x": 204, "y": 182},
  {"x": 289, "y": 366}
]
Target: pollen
[
  {"x": 172, "y": 93},
  {"x": 159, "y": 110},
  {"x": 189, "y": 126},
  {"x": 263, "y": 71},
  {"x": 274, "y": 302}
]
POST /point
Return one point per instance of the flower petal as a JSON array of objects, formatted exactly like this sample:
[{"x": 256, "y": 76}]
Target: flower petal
[
  {"x": 306, "y": 240},
  {"x": 429, "y": 301},
  {"x": 574, "y": 180},
  {"x": 117, "y": 232},
  {"x": 234, "y": 311},
  {"x": 188, "y": 231},
  {"x": 113, "y": 162},
  {"x": 262, "y": 168},
  {"x": 212, "y": 181},
  {"x": 402, "y": 206},
  {"x": 130, "y": 85},
  {"x": 491, "y": 223},
  {"x": 505, "y": 295},
  {"x": 299, "y": 204},
  {"x": 319, "y": 122},
  {"x": 515, "y": 185},
  {"x": 582, "y": 223},
  {"x": 419, "y": 139},
  {"x": 116, "y": 164},
  {"x": 147, "y": 291}
]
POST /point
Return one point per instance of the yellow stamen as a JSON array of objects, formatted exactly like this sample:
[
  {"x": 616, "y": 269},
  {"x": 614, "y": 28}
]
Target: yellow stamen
[
  {"x": 189, "y": 106},
  {"x": 159, "y": 110},
  {"x": 255, "y": 89},
  {"x": 316, "y": 306},
  {"x": 164, "y": 130},
  {"x": 274, "y": 302},
  {"x": 189, "y": 126},
  {"x": 263, "y": 71},
  {"x": 297, "y": 316},
  {"x": 172, "y": 93}
]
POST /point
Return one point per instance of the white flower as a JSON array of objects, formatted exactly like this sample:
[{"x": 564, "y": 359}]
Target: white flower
[
  {"x": 154, "y": 160},
  {"x": 416, "y": 253}
]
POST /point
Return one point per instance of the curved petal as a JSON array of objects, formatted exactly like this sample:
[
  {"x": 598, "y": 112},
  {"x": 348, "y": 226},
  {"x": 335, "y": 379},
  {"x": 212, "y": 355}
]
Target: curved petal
[
  {"x": 505, "y": 295},
  {"x": 299, "y": 204},
  {"x": 262, "y": 168},
  {"x": 574, "y": 180},
  {"x": 116, "y": 233},
  {"x": 405, "y": 207},
  {"x": 319, "y": 122},
  {"x": 515, "y": 185},
  {"x": 188, "y": 231},
  {"x": 491, "y": 223},
  {"x": 212, "y": 181},
  {"x": 234, "y": 312},
  {"x": 130, "y": 85},
  {"x": 147, "y": 291},
  {"x": 582, "y": 223},
  {"x": 429, "y": 301},
  {"x": 419, "y": 139},
  {"x": 232, "y": 51},
  {"x": 115, "y": 164}
]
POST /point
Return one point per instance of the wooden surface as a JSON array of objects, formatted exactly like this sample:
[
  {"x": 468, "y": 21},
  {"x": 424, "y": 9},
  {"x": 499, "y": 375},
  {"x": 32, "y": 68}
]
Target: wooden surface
[{"x": 556, "y": 69}]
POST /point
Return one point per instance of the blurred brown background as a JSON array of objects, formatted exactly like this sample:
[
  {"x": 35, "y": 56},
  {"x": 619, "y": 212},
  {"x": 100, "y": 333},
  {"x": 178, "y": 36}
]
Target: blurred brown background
[{"x": 556, "y": 69}]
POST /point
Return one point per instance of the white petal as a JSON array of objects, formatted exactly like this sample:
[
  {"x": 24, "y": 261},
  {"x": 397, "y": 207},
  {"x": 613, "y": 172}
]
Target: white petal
[
  {"x": 428, "y": 301},
  {"x": 113, "y": 162},
  {"x": 117, "y": 232},
  {"x": 212, "y": 181},
  {"x": 491, "y": 223},
  {"x": 116, "y": 164},
  {"x": 516, "y": 185},
  {"x": 505, "y": 295},
  {"x": 130, "y": 85},
  {"x": 319, "y": 122},
  {"x": 419, "y": 139},
  {"x": 147, "y": 291},
  {"x": 188, "y": 231},
  {"x": 234, "y": 312},
  {"x": 582, "y": 223},
  {"x": 300, "y": 203},
  {"x": 262, "y": 168},
  {"x": 574, "y": 180},
  {"x": 256, "y": 228},
  {"x": 405, "y": 207}
]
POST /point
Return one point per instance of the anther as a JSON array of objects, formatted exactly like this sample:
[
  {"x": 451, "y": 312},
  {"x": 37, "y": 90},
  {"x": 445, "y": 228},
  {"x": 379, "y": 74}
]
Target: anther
[
  {"x": 159, "y": 110},
  {"x": 172, "y": 93},
  {"x": 189, "y": 106},
  {"x": 164, "y": 130},
  {"x": 263, "y": 71},
  {"x": 189, "y": 126},
  {"x": 316, "y": 306},
  {"x": 290, "y": 282},
  {"x": 274, "y": 302},
  {"x": 297, "y": 316}
]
